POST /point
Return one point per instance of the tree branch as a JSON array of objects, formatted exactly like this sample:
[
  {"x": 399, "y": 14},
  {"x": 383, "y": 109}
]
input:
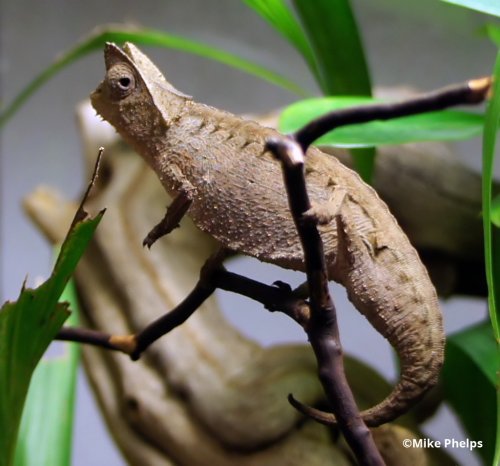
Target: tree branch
[
  {"x": 322, "y": 328},
  {"x": 471, "y": 92}
]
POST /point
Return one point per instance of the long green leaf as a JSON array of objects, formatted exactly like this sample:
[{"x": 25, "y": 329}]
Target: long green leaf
[
  {"x": 338, "y": 51},
  {"x": 491, "y": 7},
  {"x": 277, "y": 13},
  {"x": 492, "y": 233},
  {"x": 445, "y": 125},
  {"x": 27, "y": 326},
  {"x": 469, "y": 379},
  {"x": 331, "y": 28},
  {"x": 146, "y": 37},
  {"x": 495, "y": 211},
  {"x": 45, "y": 435},
  {"x": 493, "y": 32}
]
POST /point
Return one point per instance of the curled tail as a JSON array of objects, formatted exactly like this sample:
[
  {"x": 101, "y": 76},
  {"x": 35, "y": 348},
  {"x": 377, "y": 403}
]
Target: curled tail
[
  {"x": 404, "y": 395},
  {"x": 389, "y": 285}
]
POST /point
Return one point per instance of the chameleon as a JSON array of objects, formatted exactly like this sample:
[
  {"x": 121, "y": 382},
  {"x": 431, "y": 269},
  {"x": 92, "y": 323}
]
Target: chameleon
[{"x": 219, "y": 171}]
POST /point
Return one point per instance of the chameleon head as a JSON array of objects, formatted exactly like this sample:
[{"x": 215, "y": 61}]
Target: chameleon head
[{"x": 135, "y": 97}]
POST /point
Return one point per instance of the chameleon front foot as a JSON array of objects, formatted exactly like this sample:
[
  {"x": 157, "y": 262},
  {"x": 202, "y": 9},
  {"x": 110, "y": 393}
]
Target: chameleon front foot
[
  {"x": 161, "y": 229},
  {"x": 170, "y": 222}
]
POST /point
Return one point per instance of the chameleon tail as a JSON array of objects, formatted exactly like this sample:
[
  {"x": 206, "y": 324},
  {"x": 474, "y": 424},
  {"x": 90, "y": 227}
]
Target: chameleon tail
[
  {"x": 401, "y": 304},
  {"x": 402, "y": 398}
]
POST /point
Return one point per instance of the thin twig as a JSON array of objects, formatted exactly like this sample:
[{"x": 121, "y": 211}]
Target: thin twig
[
  {"x": 471, "y": 92},
  {"x": 88, "y": 336},
  {"x": 274, "y": 298},
  {"x": 322, "y": 329}
]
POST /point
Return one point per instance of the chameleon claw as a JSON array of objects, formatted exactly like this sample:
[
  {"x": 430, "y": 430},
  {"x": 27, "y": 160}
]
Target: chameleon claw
[
  {"x": 319, "y": 416},
  {"x": 148, "y": 241}
]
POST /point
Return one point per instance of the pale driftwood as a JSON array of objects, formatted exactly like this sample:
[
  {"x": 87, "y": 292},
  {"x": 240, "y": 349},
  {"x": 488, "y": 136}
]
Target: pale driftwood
[{"x": 204, "y": 394}]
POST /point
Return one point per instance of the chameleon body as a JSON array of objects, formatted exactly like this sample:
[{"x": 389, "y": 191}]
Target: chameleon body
[{"x": 217, "y": 169}]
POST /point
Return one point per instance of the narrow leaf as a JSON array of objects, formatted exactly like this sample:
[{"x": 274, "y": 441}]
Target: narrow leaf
[
  {"x": 491, "y": 7},
  {"x": 277, "y": 13},
  {"x": 28, "y": 325},
  {"x": 446, "y": 125},
  {"x": 469, "y": 379},
  {"x": 45, "y": 436},
  {"x": 331, "y": 28},
  {"x": 495, "y": 211},
  {"x": 493, "y": 32},
  {"x": 492, "y": 119},
  {"x": 338, "y": 51},
  {"x": 146, "y": 37},
  {"x": 492, "y": 233}
]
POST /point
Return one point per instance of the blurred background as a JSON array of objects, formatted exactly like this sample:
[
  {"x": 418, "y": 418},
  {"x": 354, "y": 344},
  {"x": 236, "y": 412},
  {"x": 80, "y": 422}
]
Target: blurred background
[{"x": 423, "y": 44}]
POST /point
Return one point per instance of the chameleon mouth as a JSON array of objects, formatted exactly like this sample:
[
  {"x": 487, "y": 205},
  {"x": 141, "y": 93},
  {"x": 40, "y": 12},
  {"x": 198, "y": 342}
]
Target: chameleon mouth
[
  {"x": 96, "y": 94},
  {"x": 96, "y": 100}
]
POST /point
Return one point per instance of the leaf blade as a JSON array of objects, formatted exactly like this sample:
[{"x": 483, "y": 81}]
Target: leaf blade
[
  {"x": 279, "y": 16},
  {"x": 491, "y": 233},
  {"x": 336, "y": 42},
  {"x": 493, "y": 32},
  {"x": 47, "y": 420},
  {"x": 469, "y": 374},
  {"x": 35, "y": 317}
]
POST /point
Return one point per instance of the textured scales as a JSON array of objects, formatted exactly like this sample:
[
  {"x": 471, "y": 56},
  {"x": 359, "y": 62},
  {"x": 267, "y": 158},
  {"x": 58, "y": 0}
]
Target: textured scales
[{"x": 237, "y": 196}]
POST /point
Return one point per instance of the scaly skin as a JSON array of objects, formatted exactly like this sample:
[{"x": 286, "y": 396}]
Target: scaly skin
[{"x": 237, "y": 196}]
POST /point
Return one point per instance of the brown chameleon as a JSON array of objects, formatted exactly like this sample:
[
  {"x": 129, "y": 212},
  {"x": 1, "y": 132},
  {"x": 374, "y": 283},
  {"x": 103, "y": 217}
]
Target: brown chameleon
[{"x": 216, "y": 167}]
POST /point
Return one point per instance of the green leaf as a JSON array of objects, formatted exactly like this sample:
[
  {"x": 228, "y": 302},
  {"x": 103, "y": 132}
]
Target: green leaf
[
  {"x": 338, "y": 51},
  {"x": 277, "y": 13},
  {"x": 332, "y": 31},
  {"x": 493, "y": 33},
  {"x": 27, "y": 326},
  {"x": 495, "y": 211},
  {"x": 469, "y": 379},
  {"x": 491, "y": 7},
  {"x": 146, "y": 37},
  {"x": 492, "y": 233},
  {"x": 446, "y": 125},
  {"x": 45, "y": 435}
]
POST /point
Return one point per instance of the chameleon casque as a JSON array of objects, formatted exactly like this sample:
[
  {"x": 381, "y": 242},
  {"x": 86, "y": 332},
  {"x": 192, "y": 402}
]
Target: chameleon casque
[{"x": 216, "y": 167}]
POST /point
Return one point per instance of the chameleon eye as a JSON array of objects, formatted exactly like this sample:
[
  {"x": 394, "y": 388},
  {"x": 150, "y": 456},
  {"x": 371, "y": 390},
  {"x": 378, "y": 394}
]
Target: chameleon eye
[
  {"x": 121, "y": 81},
  {"x": 125, "y": 82}
]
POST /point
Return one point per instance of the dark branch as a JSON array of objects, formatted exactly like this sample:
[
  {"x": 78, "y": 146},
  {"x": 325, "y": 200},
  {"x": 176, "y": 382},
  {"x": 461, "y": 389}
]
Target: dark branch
[
  {"x": 472, "y": 92},
  {"x": 88, "y": 336},
  {"x": 322, "y": 328},
  {"x": 201, "y": 292},
  {"x": 274, "y": 298}
]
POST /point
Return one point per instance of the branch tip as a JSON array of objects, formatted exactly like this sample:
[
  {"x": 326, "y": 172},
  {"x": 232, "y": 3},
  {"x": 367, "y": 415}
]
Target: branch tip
[
  {"x": 481, "y": 88},
  {"x": 125, "y": 343}
]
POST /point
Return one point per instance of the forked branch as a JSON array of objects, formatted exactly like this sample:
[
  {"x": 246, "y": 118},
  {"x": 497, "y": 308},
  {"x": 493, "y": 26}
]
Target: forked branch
[{"x": 322, "y": 328}]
